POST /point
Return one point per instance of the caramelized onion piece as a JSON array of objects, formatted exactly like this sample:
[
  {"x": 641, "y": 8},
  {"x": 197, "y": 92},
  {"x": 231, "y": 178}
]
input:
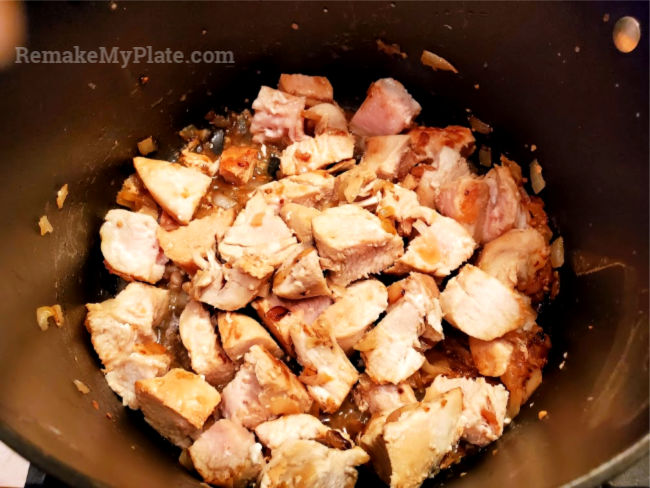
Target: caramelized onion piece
[
  {"x": 436, "y": 62},
  {"x": 43, "y": 315},
  {"x": 61, "y": 195},
  {"x": 536, "y": 178},
  {"x": 557, "y": 252},
  {"x": 44, "y": 225},
  {"x": 81, "y": 386}
]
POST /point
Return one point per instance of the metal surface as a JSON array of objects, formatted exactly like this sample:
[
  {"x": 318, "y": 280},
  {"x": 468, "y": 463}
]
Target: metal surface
[{"x": 585, "y": 109}]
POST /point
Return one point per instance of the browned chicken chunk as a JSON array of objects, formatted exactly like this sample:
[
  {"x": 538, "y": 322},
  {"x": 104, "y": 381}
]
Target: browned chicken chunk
[
  {"x": 227, "y": 455},
  {"x": 240, "y": 332},
  {"x": 258, "y": 232},
  {"x": 354, "y": 243},
  {"x": 206, "y": 355},
  {"x": 177, "y": 404},
  {"x": 130, "y": 246},
  {"x": 309, "y": 464},
  {"x": 278, "y": 117},
  {"x": 298, "y": 218},
  {"x": 263, "y": 388},
  {"x": 391, "y": 351},
  {"x": 407, "y": 445},
  {"x": 311, "y": 189},
  {"x": 315, "y": 89},
  {"x": 300, "y": 276},
  {"x": 347, "y": 320},
  {"x": 439, "y": 248},
  {"x": 237, "y": 164},
  {"x": 313, "y": 153},
  {"x": 276, "y": 432},
  {"x": 373, "y": 398},
  {"x": 386, "y": 155},
  {"x": 187, "y": 244},
  {"x": 280, "y": 315},
  {"x": 482, "y": 306},
  {"x": 327, "y": 372},
  {"x": 484, "y": 406},
  {"x": 519, "y": 259},
  {"x": 176, "y": 188}
]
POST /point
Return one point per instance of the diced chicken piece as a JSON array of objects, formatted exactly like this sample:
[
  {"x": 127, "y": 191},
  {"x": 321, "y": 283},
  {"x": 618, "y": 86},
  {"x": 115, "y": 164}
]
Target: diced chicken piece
[
  {"x": 176, "y": 188},
  {"x": 327, "y": 372},
  {"x": 492, "y": 357},
  {"x": 450, "y": 167},
  {"x": 354, "y": 243},
  {"x": 488, "y": 206},
  {"x": 130, "y": 246},
  {"x": 482, "y": 306},
  {"x": 464, "y": 200},
  {"x": 402, "y": 207},
  {"x": 300, "y": 276},
  {"x": 327, "y": 117},
  {"x": 309, "y": 464},
  {"x": 177, "y": 404},
  {"x": 523, "y": 372},
  {"x": 207, "y": 282},
  {"x": 135, "y": 196},
  {"x": 503, "y": 207},
  {"x": 238, "y": 163},
  {"x": 257, "y": 232},
  {"x": 349, "y": 317},
  {"x": 278, "y": 117},
  {"x": 313, "y": 153},
  {"x": 280, "y": 315},
  {"x": 373, "y": 398},
  {"x": 387, "y": 155},
  {"x": 240, "y": 332},
  {"x": 298, "y": 218},
  {"x": 263, "y": 388},
  {"x": 310, "y": 189},
  {"x": 240, "y": 286},
  {"x": 428, "y": 143},
  {"x": 202, "y": 162},
  {"x": 119, "y": 323},
  {"x": 227, "y": 455},
  {"x": 388, "y": 109},
  {"x": 276, "y": 432},
  {"x": 439, "y": 248},
  {"x": 407, "y": 446},
  {"x": 358, "y": 182},
  {"x": 484, "y": 406},
  {"x": 314, "y": 88},
  {"x": 186, "y": 244},
  {"x": 519, "y": 259},
  {"x": 391, "y": 351},
  {"x": 146, "y": 361},
  {"x": 206, "y": 355}
]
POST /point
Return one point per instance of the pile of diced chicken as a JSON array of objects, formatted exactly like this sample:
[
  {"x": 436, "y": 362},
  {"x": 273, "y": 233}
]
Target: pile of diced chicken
[{"x": 285, "y": 313}]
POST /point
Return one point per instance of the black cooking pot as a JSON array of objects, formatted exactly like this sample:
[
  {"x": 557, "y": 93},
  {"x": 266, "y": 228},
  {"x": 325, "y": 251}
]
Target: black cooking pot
[{"x": 545, "y": 73}]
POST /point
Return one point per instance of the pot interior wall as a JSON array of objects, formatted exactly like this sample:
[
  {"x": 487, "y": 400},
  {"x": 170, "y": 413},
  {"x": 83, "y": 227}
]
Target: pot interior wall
[{"x": 586, "y": 111}]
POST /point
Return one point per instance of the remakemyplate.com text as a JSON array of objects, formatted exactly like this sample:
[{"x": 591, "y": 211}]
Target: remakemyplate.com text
[{"x": 123, "y": 57}]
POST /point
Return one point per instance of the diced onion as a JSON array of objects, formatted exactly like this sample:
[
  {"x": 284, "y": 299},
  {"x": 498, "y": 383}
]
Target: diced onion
[
  {"x": 43, "y": 315},
  {"x": 147, "y": 146},
  {"x": 81, "y": 386},
  {"x": 221, "y": 200},
  {"x": 44, "y": 225},
  {"x": 536, "y": 178},
  {"x": 485, "y": 156},
  {"x": 478, "y": 125},
  {"x": 436, "y": 62},
  {"x": 557, "y": 252},
  {"x": 61, "y": 195}
]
